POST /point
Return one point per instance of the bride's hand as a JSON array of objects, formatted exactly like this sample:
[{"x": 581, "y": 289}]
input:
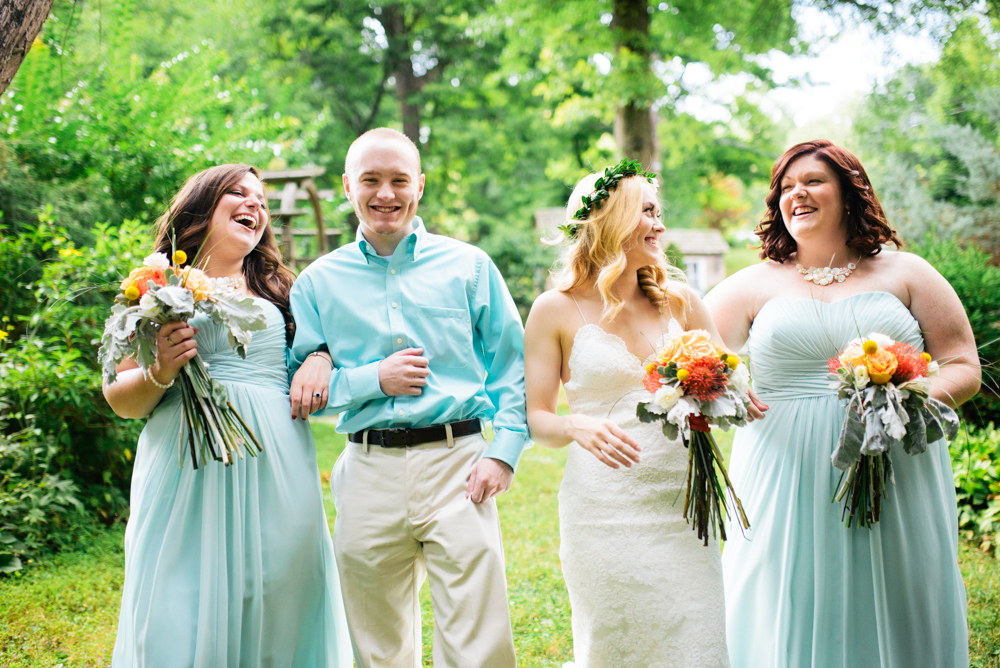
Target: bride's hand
[
  {"x": 604, "y": 439},
  {"x": 757, "y": 408}
]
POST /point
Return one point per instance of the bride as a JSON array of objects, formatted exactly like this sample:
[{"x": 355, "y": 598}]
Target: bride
[{"x": 644, "y": 590}]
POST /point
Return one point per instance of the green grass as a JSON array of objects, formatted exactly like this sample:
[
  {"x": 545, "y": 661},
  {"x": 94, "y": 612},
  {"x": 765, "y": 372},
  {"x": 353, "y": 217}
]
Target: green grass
[
  {"x": 64, "y": 611},
  {"x": 739, "y": 258}
]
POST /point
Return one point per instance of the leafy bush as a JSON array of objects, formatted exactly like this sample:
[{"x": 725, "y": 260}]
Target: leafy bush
[
  {"x": 977, "y": 283},
  {"x": 49, "y": 376},
  {"x": 975, "y": 460},
  {"x": 40, "y": 509}
]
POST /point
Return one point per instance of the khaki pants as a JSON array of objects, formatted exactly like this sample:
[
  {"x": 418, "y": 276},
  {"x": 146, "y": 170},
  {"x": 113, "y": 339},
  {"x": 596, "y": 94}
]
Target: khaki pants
[{"x": 402, "y": 515}]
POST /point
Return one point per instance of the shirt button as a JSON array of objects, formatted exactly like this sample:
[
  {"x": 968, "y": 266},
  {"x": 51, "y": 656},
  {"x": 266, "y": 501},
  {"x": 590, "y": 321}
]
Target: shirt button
[
  {"x": 399, "y": 340},
  {"x": 392, "y": 271},
  {"x": 401, "y": 412},
  {"x": 394, "y": 304}
]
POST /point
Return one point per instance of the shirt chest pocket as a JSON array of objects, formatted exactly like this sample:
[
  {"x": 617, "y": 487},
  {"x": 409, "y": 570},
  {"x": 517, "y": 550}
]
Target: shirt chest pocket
[{"x": 445, "y": 334}]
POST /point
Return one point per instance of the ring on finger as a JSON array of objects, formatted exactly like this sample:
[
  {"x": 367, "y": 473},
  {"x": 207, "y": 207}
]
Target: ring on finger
[{"x": 318, "y": 395}]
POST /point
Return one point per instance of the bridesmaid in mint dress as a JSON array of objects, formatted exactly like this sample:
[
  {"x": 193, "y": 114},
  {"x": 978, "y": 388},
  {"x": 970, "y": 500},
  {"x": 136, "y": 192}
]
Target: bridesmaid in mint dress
[
  {"x": 226, "y": 566},
  {"x": 802, "y": 589}
]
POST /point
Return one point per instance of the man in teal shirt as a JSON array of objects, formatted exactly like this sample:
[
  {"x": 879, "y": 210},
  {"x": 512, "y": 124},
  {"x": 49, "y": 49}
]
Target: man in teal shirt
[{"x": 426, "y": 343}]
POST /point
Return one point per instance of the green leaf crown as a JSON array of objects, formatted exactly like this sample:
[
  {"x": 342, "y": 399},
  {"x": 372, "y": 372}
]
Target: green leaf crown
[{"x": 610, "y": 179}]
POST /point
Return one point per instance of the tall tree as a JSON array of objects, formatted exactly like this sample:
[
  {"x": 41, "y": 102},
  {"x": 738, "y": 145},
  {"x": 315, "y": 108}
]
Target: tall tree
[{"x": 20, "y": 21}]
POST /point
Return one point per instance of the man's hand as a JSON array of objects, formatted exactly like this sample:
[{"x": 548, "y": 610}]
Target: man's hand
[
  {"x": 488, "y": 478},
  {"x": 310, "y": 387},
  {"x": 402, "y": 373}
]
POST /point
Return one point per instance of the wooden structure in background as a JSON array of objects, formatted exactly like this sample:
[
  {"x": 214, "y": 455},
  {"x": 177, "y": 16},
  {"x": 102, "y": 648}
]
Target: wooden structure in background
[{"x": 292, "y": 189}]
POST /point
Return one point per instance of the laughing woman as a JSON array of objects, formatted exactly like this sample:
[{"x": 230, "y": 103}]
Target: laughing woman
[
  {"x": 806, "y": 590},
  {"x": 226, "y": 566}
]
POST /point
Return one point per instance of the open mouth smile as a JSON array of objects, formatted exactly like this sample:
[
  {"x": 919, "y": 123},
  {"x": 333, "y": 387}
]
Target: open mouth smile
[
  {"x": 803, "y": 210},
  {"x": 385, "y": 209},
  {"x": 246, "y": 220}
]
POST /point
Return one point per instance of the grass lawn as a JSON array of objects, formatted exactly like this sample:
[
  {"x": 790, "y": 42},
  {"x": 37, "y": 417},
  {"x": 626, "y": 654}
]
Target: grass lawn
[{"x": 64, "y": 611}]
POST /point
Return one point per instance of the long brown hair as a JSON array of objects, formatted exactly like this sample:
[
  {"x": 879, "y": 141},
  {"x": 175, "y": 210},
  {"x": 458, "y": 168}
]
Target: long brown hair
[
  {"x": 867, "y": 227},
  {"x": 598, "y": 249},
  {"x": 186, "y": 223}
]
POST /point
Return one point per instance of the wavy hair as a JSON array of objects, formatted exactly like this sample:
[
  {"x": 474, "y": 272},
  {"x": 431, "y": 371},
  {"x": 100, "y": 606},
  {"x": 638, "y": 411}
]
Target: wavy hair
[
  {"x": 597, "y": 252},
  {"x": 867, "y": 227},
  {"x": 187, "y": 220}
]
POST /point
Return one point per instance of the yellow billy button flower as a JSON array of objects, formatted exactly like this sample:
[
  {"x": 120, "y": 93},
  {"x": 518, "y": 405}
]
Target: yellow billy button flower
[
  {"x": 870, "y": 347},
  {"x": 180, "y": 257},
  {"x": 650, "y": 367},
  {"x": 927, "y": 357},
  {"x": 132, "y": 292},
  {"x": 733, "y": 361},
  {"x": 683, "y": 374}
]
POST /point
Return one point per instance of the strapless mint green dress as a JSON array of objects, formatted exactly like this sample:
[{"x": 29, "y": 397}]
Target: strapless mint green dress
[
  {"x": 230, "y": 567},
  {"x": 802, "y": 589}
]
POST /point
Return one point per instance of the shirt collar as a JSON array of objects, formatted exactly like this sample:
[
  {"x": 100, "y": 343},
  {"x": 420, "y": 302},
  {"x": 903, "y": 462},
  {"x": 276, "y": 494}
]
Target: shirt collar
[{"x": 417, "y": 240}]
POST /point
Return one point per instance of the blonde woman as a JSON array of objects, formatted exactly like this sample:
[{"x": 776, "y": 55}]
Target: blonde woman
[{"x": 644, "y": 590}]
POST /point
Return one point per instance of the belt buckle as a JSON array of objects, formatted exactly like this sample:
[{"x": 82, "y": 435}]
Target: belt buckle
[{"x": 405, "y": 432}]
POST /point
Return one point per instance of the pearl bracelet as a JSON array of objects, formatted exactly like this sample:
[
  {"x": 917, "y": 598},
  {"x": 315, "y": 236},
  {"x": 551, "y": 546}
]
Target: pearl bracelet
[
  {"x": 324, "y": 355},
  {"x": 152, "y": 378}
]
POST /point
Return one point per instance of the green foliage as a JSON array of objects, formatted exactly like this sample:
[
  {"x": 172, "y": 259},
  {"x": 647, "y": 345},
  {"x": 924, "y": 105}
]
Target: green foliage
[
  {"x": 59, "y": 297},
  {"x": 975, "y": 460},
  {"x": 40, "y": 509},
  {"x": 977, "y": 284}
]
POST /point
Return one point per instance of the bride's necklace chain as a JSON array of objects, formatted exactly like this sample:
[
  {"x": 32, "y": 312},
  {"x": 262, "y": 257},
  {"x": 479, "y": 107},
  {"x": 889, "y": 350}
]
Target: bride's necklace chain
[{"x": 827, "y": 275}]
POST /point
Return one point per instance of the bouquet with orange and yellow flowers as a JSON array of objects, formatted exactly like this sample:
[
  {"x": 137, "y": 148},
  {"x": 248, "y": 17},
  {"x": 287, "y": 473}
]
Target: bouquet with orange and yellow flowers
[
  {"x": 160, "y": 292},
  {"x": 696, "y": 383},
  {"x": 886, "y": 388}
]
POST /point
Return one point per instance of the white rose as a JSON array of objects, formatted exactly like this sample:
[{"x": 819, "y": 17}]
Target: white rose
[
  {"x": 667, "y": 396},
  {"x": 740, "y": 379},
  {"x": 861, "y": 377},
  {"x": 157, "y": 260},
  {"x": 933, "y": 368},
  {"x": 882, "y": 340},
  {"x": 150, "y": 306}
]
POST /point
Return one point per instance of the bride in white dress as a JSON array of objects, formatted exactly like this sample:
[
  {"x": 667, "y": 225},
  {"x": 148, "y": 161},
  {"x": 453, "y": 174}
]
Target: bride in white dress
[{"x": 644, "y": 591}]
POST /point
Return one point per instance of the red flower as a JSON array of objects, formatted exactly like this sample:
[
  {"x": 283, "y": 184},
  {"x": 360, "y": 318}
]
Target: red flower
[
  {"x": 834, "y": 364},
  {"x": 708, "y": 379},
  {"x": 910, "y": 362},
  {"x": 651, "y": 381}
]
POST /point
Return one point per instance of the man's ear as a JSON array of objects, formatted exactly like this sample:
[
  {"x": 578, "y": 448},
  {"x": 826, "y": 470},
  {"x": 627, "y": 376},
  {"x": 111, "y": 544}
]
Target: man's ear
[
  {"x": 420, "y": 190},
  {"x": 347, "y": 186}
]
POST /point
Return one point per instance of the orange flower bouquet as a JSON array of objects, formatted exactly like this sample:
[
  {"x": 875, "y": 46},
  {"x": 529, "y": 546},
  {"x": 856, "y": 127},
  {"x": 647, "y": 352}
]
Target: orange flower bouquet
[
  {"x": 160, "y": 292},
  {"x": 696, "y": 383},
  {"x": 886, "y": 388}
]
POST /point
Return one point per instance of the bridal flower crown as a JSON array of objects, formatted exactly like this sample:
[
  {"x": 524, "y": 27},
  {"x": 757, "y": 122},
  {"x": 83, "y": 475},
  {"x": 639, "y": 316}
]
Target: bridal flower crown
[{"x": 612, "y": 175}]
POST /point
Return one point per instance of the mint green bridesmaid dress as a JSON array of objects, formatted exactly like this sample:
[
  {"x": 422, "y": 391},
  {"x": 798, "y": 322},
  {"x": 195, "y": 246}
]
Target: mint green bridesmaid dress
[
  {"x": 802, "y": 589},
  {"x": 231, "y": 566}
]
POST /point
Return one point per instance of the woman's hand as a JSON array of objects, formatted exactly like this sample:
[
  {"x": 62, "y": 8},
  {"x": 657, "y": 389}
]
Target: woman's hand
[
  {"x": 604, "y": 439},
  {"x": 311, "y": 385},
  {"x": 757, "y": 408},
  {"x": 175, "y": 346}
]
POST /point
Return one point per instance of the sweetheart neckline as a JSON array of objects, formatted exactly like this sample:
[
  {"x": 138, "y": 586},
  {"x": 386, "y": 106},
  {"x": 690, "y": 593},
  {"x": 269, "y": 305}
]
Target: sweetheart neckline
[
  {"x": 835, "y": 301},
  {"x": 619, "y": 340}
]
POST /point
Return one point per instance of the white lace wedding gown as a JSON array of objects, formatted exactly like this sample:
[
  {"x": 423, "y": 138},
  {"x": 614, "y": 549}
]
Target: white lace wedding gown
[{"x": 644, "y": 590}]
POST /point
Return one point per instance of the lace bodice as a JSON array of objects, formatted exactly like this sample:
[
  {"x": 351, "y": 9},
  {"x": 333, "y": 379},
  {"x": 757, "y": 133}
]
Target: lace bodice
[{"x": 644, "y": 591}]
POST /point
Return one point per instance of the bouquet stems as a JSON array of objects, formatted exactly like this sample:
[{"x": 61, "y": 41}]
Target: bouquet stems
[
  {"x": 212, "y": 426},
  {"x": 706, "y": 494},
  {"x": 863, "y": 490}
]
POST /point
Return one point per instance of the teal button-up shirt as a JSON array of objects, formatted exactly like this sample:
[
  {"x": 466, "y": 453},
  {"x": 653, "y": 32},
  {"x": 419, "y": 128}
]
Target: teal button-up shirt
[{"x": 435, "y": 293}]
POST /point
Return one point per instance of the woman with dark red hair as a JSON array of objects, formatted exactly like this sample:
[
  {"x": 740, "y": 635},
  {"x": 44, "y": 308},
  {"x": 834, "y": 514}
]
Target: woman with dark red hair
[{"x": 803, "y": 589}]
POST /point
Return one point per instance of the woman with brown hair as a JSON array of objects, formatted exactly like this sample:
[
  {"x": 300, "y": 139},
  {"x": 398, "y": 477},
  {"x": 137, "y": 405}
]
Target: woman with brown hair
[
  {"x": 644, "y": 590},
  {"x": 226, "y": 565},
  {"x": 803, "y": 589}
]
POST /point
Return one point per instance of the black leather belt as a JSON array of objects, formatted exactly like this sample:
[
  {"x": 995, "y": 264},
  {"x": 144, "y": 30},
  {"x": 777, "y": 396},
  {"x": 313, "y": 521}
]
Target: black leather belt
[{"x": 405, "y": 437}]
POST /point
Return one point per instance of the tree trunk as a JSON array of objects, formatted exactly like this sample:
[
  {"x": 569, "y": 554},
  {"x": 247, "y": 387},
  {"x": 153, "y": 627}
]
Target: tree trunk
[
  {"x": 635, "y": 130},
  {"x": 20, "y": 21},
  {"x": 397, "y": 33}
]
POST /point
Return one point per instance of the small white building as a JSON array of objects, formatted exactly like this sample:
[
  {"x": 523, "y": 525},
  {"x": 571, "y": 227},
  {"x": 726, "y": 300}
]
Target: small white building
[{"x": 704, "y": 255}]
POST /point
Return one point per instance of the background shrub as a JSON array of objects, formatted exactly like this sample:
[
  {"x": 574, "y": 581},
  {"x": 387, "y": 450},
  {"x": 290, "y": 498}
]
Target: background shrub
[{"x": 975, "y": 460}]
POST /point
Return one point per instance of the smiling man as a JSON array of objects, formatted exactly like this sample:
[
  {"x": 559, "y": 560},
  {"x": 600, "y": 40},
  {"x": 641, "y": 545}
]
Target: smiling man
[{"x": 426, "y": 344}]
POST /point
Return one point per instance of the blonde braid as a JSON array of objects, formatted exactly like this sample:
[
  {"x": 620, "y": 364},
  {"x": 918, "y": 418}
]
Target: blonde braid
[{"x": 651, "y": 288}]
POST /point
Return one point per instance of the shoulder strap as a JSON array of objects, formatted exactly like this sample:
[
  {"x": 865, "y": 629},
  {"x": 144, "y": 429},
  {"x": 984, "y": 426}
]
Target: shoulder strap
[{"x": 583, "y": 317}]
